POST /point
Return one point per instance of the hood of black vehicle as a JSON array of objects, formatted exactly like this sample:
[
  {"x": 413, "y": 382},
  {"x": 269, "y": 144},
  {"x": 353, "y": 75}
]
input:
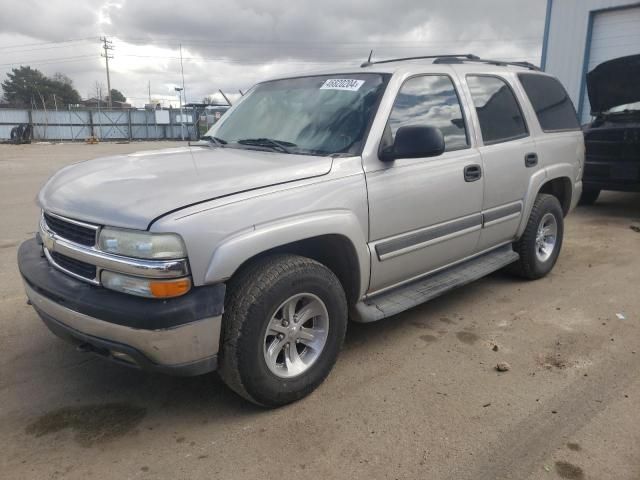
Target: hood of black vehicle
[{"x": 614, "y": 83}]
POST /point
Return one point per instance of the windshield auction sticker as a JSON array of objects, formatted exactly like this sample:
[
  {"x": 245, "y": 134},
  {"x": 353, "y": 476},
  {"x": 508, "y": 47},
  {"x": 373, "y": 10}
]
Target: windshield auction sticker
[{"x": 342, "y": 84}]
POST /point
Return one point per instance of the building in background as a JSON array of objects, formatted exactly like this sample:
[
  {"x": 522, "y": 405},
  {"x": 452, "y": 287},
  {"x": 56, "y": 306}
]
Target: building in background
[{"x": 581, "y": 34}]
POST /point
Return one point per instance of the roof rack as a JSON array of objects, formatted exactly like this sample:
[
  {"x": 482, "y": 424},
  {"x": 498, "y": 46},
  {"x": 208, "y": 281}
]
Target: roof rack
[
  {"x": 501, "y": 63},
  {"x": 368, "y": 63},
  {"x": 443, "y": 59}
]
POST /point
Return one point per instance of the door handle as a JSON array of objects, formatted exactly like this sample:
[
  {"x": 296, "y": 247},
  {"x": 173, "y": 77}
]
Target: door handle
[
  {"x": 472, "y": 172},
  {"x": 531, "y": 160}
]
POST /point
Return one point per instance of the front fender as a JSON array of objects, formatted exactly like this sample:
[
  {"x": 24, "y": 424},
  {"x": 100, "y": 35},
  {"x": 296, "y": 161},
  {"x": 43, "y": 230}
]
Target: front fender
[{"x": 237, "y": 249}]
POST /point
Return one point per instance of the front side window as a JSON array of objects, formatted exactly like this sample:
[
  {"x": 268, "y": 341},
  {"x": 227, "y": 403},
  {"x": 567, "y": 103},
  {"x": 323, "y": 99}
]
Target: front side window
[
  {"x": 430, "y": 101},
  {"x": 498, "y": 111},
  {"x": 317, "y": 115},
  {"x": 551, "y": 102}
]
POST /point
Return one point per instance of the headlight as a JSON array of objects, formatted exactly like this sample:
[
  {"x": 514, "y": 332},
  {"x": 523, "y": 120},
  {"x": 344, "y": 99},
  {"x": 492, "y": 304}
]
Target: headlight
[
  {"x": 138, "y": 244},
  {"x": 145, "y": 287}
]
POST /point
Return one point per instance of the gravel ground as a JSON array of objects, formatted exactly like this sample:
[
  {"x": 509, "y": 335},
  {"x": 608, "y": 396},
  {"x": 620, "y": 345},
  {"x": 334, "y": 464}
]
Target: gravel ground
[{"x": 414, "y": 396}]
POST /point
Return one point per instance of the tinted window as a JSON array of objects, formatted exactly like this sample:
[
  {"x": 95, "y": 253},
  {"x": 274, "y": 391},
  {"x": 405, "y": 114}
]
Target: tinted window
[
  {"x": 431, "y": 101},
  {"x": 498, "y": 110},
  {"x": 550, "y": 101}
]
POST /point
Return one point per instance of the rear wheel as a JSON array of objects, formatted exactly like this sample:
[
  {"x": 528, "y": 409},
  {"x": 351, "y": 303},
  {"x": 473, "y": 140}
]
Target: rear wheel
[
  {"x": 541, "y": 241},
  {"x": 589, "y": 196},
  {"x": 284, "y": 324}
]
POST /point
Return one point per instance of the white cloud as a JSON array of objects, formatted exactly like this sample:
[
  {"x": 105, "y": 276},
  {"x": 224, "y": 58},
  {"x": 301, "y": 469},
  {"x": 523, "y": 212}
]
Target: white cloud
[{"x": 232, "y": 45}]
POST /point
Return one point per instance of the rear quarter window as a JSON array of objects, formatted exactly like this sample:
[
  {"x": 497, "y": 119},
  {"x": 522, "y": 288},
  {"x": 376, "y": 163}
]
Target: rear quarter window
[
  {"x": 550, "y": 101},
  {"x": 498, "y": 110}
]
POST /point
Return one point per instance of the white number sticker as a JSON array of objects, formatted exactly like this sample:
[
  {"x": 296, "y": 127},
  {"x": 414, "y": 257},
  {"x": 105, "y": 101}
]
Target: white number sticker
[{"x": 342, "y": 84}]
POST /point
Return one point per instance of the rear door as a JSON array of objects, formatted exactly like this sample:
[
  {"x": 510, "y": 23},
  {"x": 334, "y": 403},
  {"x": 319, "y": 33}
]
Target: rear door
[{"x": 508, "y": 154}]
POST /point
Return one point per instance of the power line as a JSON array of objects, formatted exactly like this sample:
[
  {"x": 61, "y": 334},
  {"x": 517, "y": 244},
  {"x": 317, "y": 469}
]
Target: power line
[
  {"x": 200, "y": 59},
  {"x": 238, "y": 62},
  {"x": 44, "y": 48},
  {"x": 44, "y": 64},
  {"x": 176, "y": 41},
  {"x": 5, "y": 47},
  {"x": 300, "y": 45},
  {"x": 47, "y": 60},
  {"x": 261, "y": 62}
]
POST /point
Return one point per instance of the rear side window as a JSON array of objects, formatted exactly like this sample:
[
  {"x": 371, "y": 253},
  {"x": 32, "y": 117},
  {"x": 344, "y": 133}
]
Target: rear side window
[
  {"x": 550, "y": 101},
  {"x": 429, "y": 100},
  {"x": 498, "y": 110}
]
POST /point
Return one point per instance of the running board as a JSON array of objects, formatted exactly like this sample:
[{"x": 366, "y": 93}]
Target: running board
[{"x": 422, "y": 290}]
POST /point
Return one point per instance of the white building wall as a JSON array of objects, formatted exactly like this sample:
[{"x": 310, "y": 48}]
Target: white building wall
[{"x": 565, "y": 41}]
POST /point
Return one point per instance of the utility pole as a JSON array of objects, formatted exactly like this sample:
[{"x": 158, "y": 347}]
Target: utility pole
[
  {"x": 179, "y": 90},
  {"x": 55, "y": 102},
  {"x": 107, "y": 45},
  {"x": 149, "y": 88},
  {"x": 182, "y": 71},
  {"x": 99, "y": 116}
]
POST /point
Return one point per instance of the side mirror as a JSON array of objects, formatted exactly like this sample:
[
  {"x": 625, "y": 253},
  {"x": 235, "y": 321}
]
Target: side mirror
[{"x": 415, "y": 141}]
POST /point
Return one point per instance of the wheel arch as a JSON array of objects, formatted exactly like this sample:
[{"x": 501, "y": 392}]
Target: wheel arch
[
  {"x": 334, "y": 239},
  {"x": 555, "y": 181},
  {"x": 559, "y": 187}
]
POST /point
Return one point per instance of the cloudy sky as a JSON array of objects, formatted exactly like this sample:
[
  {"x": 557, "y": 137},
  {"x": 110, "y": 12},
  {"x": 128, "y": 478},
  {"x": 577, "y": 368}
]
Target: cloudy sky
[{"x": 231, "y": 44}]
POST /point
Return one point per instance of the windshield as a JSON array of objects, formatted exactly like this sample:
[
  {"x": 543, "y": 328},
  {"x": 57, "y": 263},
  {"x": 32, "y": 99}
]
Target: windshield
[{"x": 319, "y": 115}]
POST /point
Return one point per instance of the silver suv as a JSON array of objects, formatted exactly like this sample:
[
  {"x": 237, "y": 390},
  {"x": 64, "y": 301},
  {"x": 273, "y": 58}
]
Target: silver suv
[{"x": 354, "y": 193}]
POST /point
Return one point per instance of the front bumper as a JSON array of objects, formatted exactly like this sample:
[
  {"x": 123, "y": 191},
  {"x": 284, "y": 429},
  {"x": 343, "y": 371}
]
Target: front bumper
[
  {"x": 179, "y": 336},
  {"x": 617, "y": 175}
]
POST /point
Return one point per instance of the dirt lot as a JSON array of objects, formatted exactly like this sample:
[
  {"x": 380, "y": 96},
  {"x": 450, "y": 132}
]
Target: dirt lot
[{"x": 412, "y": 397}]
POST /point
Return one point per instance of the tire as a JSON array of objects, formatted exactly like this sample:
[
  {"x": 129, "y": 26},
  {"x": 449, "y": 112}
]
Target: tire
[
  {"x": 589, "y": 196},
  {"x": 539, "y": 254},
  {"x": 262, "y": 297}
]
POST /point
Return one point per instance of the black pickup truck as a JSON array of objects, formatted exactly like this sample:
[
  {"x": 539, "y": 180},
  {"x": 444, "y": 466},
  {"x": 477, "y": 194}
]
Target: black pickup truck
[{"x": 612, "y": 139}]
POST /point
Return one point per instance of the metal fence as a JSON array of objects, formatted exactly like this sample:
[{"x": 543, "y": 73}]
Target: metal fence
[{"x": 80, "y": 124}]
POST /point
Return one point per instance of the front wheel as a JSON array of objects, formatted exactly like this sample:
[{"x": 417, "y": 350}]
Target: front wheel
[
  {"x": 541, "y": 241},
  {"x": 284, "y": 324}
]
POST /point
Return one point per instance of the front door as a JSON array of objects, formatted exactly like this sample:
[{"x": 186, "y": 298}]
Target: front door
[{"x": 424, "y": 213}]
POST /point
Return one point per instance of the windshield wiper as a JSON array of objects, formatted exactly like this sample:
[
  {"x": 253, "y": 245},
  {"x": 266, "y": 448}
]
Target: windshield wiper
[
  {"x": 269, "y": 143},
  {"x": 218, "y": 142}
]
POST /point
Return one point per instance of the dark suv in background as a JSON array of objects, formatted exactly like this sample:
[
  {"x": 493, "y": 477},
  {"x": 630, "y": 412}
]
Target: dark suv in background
[{"x": 612, "y": 139}]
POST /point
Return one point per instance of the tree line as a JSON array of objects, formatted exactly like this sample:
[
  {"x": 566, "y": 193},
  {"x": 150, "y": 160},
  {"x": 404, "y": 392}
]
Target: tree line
[{"x": 29, "y": 87}]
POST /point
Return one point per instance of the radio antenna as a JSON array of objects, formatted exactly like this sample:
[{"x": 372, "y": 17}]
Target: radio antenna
[{"x": 368, "y": 62}]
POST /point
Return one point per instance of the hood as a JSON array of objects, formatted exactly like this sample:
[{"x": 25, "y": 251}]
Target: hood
[
  {"x": 614, "y": 83},
  {"x": 130, "y": 191}
]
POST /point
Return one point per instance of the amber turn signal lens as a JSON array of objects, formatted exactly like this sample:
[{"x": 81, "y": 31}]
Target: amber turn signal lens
[{"x": 168, "y": 289}]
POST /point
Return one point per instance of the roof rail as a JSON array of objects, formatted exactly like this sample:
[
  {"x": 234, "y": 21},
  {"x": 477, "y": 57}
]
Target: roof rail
[
  {"x": 501, "y": 63},
  {"x": 467, "y": 57},
  {"x": 368, "y": 63}
]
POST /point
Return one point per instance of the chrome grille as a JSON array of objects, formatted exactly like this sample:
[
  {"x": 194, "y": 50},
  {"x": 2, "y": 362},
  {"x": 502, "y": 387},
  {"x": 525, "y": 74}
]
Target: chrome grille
[
  {"x": 71, "y": 246},
  {"x": 74, "y": 266},
  {"x": 73, "y": 231}
]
